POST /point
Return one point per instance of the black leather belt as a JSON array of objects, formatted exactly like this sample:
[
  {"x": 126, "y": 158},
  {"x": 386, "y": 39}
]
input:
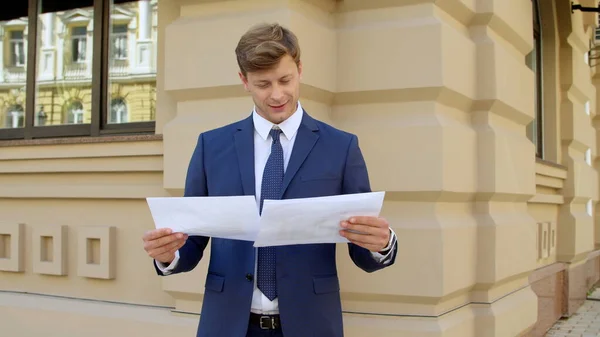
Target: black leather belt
[{"x": 265, "y": 322}]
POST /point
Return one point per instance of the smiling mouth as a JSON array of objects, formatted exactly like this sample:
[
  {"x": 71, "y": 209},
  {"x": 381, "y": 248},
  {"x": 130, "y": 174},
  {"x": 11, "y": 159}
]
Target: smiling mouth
[{"x": 278, "y": 106}]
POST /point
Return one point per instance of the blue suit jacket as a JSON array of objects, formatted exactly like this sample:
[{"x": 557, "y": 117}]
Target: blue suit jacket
[{"x": 324, "y": 161}]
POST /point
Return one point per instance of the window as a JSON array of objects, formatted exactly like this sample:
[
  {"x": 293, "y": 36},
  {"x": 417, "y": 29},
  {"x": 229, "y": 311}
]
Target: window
[
  {"x": 75, "y": 113},
  {"x": 534, "y": 62},
  {"x": 118, "y": 111},
  {"x": 79, "y": 44},
  {"x": 89, "y": 71},
  {"x": 17, "y": 48},
  {"x": 119, "y": 42}
]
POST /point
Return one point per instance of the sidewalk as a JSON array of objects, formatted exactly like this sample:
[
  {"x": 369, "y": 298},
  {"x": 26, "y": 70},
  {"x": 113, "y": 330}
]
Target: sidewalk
[{"x": 584, "y": 323}]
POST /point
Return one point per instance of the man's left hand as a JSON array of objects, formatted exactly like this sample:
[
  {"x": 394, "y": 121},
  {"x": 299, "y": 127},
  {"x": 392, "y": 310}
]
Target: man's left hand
[{"x": 373, "y": 232}]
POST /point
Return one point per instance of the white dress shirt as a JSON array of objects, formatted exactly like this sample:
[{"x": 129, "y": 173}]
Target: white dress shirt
[{"x": 262, "y": 149}]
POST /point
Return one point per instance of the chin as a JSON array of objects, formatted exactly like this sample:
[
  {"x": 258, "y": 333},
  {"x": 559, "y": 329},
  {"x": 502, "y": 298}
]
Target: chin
[
  {"x": 277, "y": 118},
  {"x": 279, "y": 112}
]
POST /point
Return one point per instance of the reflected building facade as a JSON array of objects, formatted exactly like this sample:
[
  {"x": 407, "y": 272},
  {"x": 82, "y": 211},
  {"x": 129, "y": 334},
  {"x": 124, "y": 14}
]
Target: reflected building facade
[{"x": 64, "y": 66}]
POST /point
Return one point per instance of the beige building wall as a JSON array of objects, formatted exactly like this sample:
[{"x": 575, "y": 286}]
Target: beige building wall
[{"x": 493, "y": 242}]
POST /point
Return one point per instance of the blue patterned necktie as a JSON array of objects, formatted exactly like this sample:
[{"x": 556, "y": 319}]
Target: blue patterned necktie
[{"x": 272, "y": 182}]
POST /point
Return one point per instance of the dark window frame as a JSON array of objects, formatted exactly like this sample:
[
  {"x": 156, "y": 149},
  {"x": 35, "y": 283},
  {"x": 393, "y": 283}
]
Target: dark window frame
[
  {"x": 539, "y": 86},
  {"x": 100, "y": 111}
]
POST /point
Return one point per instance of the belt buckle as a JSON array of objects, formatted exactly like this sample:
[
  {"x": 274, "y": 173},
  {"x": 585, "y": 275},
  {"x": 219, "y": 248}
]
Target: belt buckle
[{"x": 267, "y": 323}]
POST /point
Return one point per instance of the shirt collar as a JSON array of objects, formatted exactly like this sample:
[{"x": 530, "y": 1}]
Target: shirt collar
[{"x": 289, "y": 127}]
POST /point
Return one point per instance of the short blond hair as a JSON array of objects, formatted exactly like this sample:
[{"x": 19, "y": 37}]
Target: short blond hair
[{"x": 263, "y": 45}]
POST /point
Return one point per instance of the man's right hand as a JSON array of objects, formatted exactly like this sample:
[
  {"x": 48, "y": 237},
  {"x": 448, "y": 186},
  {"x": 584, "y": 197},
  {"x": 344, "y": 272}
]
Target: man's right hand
[{"x": 161, "y": 244}]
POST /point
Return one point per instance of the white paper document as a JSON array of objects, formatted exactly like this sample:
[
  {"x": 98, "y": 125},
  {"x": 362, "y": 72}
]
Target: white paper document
[
  {"x": 283, "y": 222},
  {"x": 223, "y": 217},
  {"x": 313, "y": 220}
]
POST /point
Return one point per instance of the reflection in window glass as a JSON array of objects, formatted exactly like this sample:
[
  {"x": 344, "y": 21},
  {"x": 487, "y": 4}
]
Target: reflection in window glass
[
  {"x": 15, "y": 116},
  {"x": 118, "y": 111},
  {"x": 13, "y": 72},
  {"x": 79, "y": 44},
  {"x": 119, "y": 42},
  {"x": 75, "y": 113},
  {"x": 16, "y": 48},
  {"x": 132, "y": 62},
  {"x": 64, "y": 58}
]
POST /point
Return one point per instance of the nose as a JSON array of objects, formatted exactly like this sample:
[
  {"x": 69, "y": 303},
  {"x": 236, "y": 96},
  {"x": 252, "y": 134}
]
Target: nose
[{"x": 276, "y": 94}]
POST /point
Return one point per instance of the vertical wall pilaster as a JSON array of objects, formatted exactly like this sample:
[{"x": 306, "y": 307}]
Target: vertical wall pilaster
[{"x": 578, "y": 139}]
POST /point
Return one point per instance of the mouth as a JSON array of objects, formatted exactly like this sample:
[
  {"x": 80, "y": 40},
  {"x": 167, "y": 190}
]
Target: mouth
[{"x": 277, "y": 107}]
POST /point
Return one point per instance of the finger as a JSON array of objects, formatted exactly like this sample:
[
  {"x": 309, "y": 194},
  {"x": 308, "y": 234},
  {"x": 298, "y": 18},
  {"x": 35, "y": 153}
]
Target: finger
[
  {"x": 367, "y": 246},
  {"x": 166, "y": 248},
  {"x": 364, "y": 229},
  {"x": 178, "y": 246},
  {"x": 157, "y": 233},
  {"x": 369, "y": 221},
  {"x": 170, "y": 255},
  {"x": 171, "y": 248},
  {"x": 165, "y": 240},
  {"x": 363, "y": 239}
]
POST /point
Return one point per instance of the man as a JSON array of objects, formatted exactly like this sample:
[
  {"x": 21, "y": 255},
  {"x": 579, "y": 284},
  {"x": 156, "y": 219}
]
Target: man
[{"x": 277, "y": 152}]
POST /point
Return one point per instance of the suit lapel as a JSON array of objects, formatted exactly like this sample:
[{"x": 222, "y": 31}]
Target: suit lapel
[
  {"x": 244, "y": 145},
  {"x": 305, "y": 140}
]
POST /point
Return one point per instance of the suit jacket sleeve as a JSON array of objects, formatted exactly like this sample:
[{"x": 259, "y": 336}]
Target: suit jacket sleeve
[
  {"x": 195, "y": 186},
  {"x": 356, "y": 180}
]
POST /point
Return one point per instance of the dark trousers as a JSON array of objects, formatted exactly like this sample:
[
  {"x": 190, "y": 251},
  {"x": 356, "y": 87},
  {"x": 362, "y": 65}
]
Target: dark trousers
[{"x": 255, "y": 331}]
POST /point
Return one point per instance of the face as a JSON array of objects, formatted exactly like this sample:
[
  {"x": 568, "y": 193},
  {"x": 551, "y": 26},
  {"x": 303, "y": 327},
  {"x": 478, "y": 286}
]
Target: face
[{"x": 275, "y": 92}]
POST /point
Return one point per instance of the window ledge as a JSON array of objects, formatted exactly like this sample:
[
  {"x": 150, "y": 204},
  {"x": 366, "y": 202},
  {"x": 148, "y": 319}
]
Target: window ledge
[
  {"x": 81, "y": 140},
  {"x": 549, "y": 163}
]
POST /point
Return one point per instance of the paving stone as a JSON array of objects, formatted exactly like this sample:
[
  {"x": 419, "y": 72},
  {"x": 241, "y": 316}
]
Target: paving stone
[
  {"x": 595, "y": 294},
  {"x": 584, "y": 323}
]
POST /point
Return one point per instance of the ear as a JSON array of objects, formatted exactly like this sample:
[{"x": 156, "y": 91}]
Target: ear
[
  {"x": 244, "y": 81},
  {"x": 300, "y": 69}
]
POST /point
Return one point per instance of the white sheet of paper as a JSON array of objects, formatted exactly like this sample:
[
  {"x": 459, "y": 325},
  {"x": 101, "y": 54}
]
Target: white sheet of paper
[
  {"x": 233, "y": 217},
  {"x": 313, "y": 220}
]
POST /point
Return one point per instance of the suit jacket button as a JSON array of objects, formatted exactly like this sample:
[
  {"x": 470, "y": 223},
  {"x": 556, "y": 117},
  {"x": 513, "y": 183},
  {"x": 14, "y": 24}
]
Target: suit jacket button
[{"x": 249, "y": 277}]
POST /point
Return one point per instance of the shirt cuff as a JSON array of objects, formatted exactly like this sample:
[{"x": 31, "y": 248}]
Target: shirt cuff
[
  {"x": 167, "y": 269},
  {"x": 384, "y": 254}
]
